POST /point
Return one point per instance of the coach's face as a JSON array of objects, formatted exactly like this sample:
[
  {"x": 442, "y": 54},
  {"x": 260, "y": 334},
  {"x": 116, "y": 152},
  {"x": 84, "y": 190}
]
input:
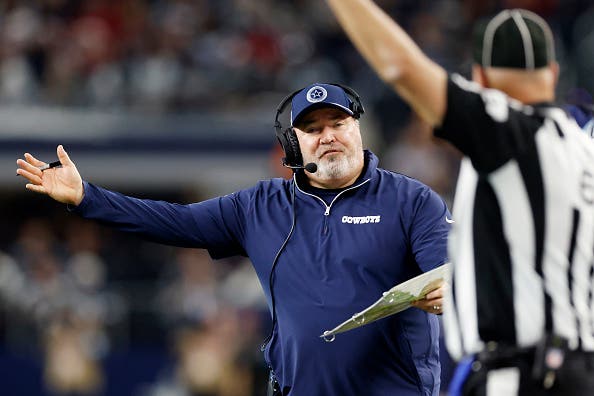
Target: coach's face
[{"x": 331, "y": 138}]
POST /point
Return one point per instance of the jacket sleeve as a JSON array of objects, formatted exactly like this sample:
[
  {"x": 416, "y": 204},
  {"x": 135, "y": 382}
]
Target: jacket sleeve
[
  {"x": 214, "y": 224},
  {"x": 429, "y": 227}
]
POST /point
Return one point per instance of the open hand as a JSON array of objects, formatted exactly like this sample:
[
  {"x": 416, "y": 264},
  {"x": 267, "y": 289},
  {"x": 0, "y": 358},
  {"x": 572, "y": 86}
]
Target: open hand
[{"x": 64, "y": 184}]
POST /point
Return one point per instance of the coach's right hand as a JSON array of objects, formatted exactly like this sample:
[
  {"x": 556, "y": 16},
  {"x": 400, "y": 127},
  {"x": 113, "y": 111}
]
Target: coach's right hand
[{"x": 64, "y": 184}]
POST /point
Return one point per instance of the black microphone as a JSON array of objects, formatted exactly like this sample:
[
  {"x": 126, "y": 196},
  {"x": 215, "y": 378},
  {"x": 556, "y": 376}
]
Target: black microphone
[{"x": 310, "y": 167}]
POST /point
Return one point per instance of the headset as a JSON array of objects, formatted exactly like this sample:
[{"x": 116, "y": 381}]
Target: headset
[{"x": 287, "y": 136}]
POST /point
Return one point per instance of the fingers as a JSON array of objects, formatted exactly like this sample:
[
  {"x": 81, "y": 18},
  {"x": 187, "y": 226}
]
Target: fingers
[
  {"x": 431, "y": 301},
  {"x": 437, "y": 293},
  {"x": 436, "y": 302},
  {"x": 436, "y": 309},
  {"x": 432, "y": 305},
  {"x": 31, "y": 167},
  {"x": 32, "y": 178},
  {"x": 36, "y": 188},
  {"x": 63, "y": 155},
  {"x": 427, "y": 302},
  {"x": 33, "y": 161},
  {"x": 29, "y": 171}
]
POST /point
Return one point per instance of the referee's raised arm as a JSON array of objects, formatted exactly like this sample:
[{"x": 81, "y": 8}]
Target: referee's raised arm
[{"x": 395, "y": 57}]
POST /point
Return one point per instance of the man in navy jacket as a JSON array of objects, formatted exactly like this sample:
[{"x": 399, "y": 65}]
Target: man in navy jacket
[{"x": 324, "y": 244}]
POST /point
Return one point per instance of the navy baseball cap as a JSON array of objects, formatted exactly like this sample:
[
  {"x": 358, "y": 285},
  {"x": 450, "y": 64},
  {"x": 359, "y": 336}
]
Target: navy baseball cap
[
  {"x": 516, "y": 38},
  {"x": 319, "y": 95}
]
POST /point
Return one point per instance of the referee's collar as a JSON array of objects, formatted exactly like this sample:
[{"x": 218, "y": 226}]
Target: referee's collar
[
  {"x": 543, "y": 108},
  {"x": 542, "y": 105}
]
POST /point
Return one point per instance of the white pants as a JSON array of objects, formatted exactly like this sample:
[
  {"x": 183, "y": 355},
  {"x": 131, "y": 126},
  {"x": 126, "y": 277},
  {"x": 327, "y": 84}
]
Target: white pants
[{"x": 503, "y": 382}]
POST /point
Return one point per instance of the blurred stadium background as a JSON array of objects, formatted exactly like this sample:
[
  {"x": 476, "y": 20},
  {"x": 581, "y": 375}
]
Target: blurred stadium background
[{"x": 175, "y": 100}]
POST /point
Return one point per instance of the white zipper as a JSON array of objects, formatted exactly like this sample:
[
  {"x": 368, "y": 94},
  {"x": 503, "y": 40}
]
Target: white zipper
[{"x": 328, "y": 207}]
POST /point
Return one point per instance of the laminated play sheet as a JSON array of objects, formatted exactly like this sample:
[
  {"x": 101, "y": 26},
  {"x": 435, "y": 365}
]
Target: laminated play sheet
[{"x": 395, "y": 300}]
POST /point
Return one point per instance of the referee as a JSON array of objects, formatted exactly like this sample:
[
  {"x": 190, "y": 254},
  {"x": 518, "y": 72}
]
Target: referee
[{"x": 521, "y": 303}]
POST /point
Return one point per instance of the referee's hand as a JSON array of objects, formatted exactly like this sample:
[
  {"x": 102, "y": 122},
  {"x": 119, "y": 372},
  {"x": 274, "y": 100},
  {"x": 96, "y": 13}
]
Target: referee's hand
[
  {"x": 433, "y": 301},
  {"x": 63, "y": 182}
]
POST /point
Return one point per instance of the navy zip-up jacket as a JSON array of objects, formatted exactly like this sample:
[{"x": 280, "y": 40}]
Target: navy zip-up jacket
[{"x": 341, "y": 256}]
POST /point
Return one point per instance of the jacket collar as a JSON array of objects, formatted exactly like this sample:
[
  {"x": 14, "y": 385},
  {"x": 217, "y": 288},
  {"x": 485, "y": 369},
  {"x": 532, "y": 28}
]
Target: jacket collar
[{"x": 370, "y": 163}]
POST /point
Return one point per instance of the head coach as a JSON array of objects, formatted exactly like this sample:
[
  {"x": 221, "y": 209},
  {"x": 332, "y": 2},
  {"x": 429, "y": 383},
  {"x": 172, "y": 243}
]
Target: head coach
[
  {"x": 521, "y": 307},
  {"x": 324, "y": 244}
]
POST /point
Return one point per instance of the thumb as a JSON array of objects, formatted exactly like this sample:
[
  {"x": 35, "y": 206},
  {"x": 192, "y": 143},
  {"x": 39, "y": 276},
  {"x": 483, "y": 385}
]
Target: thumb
[{"x": 63, "y": 156}]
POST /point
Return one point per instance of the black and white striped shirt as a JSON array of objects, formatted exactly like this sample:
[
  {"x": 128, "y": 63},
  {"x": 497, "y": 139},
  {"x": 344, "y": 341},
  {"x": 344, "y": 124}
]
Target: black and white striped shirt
[{"x": 523, "y": 242}]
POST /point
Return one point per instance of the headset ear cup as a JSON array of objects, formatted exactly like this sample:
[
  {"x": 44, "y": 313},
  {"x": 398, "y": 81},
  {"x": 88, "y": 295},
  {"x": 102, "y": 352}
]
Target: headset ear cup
[
  {"x": 292, "y": 150},
  {"x": 356, "y": 105},
  {"x": 358, "y": 108},
  {"x": 280, "y": 136}
]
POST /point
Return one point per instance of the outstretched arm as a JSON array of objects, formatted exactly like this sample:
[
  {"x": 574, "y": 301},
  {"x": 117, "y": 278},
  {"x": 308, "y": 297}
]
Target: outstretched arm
[
  {"x": 395, "y": 57},
  {"x": 64, "y": 184}
]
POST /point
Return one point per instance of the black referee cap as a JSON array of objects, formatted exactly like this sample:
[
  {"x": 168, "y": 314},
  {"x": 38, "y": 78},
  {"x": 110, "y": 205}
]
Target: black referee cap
[{"x": 516, "y": 38}]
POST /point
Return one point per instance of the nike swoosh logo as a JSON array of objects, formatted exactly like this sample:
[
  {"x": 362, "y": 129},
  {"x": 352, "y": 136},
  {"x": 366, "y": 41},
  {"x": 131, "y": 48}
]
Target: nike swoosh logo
[{"x": 449, "y": 221}]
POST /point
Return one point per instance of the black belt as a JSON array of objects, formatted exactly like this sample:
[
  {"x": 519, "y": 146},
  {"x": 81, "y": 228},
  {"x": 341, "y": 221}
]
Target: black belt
[
  {"x": 496, "y": 356},
  {"x": 541, "y": 362}
]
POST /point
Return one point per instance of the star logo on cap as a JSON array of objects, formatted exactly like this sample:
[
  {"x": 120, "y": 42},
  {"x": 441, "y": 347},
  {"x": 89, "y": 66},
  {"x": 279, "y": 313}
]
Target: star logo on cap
[{"x": 316, "y": 94}]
